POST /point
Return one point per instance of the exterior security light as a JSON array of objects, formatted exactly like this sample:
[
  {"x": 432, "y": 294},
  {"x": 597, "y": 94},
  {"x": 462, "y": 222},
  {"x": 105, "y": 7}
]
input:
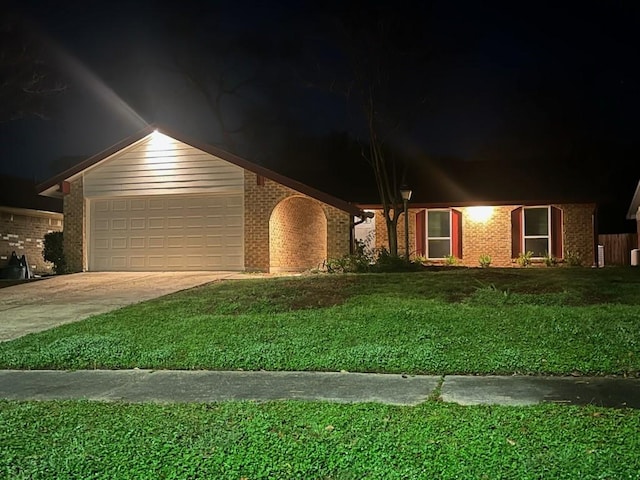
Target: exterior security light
[{"x": 480, "y": 214}]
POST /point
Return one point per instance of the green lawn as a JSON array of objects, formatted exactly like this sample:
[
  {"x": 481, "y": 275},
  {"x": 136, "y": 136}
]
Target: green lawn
[
  {"x": 556, "y": 321},
  {"x": 530, "y": 321},
  {"x": 83, "y": 440}
]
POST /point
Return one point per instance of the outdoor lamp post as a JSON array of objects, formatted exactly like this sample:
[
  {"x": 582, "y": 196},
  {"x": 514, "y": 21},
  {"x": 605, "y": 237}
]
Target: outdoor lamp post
[{"x": 405, "y": 193}]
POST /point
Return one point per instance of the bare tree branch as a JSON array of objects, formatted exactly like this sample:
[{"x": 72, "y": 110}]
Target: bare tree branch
[{"x": 28, "y": 78}]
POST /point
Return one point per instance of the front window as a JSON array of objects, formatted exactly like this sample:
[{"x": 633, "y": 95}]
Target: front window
[
  {"x": 536, "y": 230},
  {"x": 438, "y": 233}
]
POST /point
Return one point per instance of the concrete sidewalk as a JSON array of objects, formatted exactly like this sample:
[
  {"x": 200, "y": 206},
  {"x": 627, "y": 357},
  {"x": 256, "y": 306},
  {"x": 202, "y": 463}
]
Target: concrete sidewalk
[{"x": 213, "y": 386}]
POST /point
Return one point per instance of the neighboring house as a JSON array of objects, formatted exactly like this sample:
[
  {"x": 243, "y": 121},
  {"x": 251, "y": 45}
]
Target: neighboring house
[
  {"x": 634, "y": 210},
  {"x": 158, "y": 201},
  {"x": 25, "y": 218}
]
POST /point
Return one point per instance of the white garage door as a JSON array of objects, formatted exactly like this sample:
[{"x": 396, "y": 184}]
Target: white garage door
[{"x": 155, "y": 233}]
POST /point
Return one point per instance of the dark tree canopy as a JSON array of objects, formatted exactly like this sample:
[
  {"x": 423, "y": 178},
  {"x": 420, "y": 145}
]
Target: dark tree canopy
[{"x": 28, "y": 78}]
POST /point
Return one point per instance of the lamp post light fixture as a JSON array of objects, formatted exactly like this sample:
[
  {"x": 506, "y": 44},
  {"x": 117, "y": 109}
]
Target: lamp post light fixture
[{"x": 405, "y": 193}]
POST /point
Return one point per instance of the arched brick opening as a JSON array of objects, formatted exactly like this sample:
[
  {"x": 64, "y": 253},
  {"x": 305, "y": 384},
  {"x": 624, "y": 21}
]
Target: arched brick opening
[{"x": 297, "y": 235}]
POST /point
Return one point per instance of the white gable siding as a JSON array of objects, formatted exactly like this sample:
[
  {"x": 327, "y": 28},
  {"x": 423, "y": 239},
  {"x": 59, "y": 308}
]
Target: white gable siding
[{"x": 161, "y": 165}]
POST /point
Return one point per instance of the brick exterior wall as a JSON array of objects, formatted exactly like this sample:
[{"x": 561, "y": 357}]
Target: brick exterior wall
[
  {"x": 22, "y": 231},
  {"x": 577, "y": 226},
  {"x": 75, "y": 240},
  {"x": 260, "y": 202},
  {"x": 493, "y": 237},
  {"x": 382, "y": 236},
  {"x": 298, "y": 235}
]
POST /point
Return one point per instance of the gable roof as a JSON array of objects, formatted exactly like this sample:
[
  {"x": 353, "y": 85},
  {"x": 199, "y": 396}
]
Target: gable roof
[
  {"x": 21, "y": 193},
  {"x": 635, "y": 204},
  {"x": 51, "y": 187}
]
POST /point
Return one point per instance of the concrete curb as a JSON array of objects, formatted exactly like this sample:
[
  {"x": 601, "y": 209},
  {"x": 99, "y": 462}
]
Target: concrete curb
[
  {"x": 524, "y": 390},
  {"x": 213, "y": 386}
]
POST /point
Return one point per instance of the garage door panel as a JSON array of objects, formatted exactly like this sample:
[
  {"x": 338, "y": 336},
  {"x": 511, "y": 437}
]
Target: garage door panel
[
  {"x": 175, "y": 261},
  {"x": 213, "y": 262},
  {"x": 101, "y": 244},
  {"x": 137, "y": 242},
  {"x": 102, "y": 206},
  {"x": 137, "y": 262},
  {"x": 156, "y": 242},
  {"x": 119, "y": 243},
  {"x": 155, "y": 204},
  {"x": 175, "y": 241},
  {"x": 138, "y": 224},
  {"x": 175, "y": 222},
  {"x": 119, "y": 224},
  {"x": 119, "y": 262},
  {"x": 177, "y": 202},
  {"x": 195, "y": 241},
  {"x": 167, "y": 233},
  {"x": 101, "y": 225},
  {"x": 156, "y": 222},
  {"x": 234, "y": 221},
  {"x": 138, "y": 204},
  {"x": 120, "y": 205},
  {"x": 154, "y": 261}
]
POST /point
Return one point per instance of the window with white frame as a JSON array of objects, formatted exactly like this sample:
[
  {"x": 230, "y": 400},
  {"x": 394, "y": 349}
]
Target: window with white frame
[
  {"x": 537, "y": 221},
  {"x": 438, "y": 233}
]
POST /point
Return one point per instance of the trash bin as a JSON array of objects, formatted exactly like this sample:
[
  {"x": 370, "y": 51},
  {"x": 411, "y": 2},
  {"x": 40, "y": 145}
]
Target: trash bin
[
  {"x": 635, "y": 257},
  {"x": 16, "y": 268},
  {"x": 14, "y": 272},
  {"x": 600, "y": 256}
]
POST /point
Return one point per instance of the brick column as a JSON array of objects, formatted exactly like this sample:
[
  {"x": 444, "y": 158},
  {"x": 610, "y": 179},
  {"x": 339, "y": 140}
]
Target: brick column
[
  {"x": 338, "y": 232},
  {"x": 74, "y": 228}
]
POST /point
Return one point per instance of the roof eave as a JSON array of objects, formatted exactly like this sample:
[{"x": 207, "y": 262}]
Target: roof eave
[
  {"x": 635, "y": 204},
  {"x": 51, "y": 186},
  {"x": 478, "y": 203}
]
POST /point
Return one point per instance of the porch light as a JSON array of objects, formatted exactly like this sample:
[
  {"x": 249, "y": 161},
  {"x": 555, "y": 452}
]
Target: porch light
[
  {"x": 405, "y": 193},
  {"x": 480, "y": 214}
]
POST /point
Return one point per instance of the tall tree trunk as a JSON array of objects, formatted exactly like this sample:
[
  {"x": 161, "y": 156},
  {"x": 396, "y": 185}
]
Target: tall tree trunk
[{"x": 392, "y": 234}]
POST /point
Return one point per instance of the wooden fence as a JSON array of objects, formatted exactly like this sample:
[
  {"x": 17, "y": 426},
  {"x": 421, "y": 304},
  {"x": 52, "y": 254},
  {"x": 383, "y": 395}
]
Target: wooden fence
[{"x": 617, "y": 247}]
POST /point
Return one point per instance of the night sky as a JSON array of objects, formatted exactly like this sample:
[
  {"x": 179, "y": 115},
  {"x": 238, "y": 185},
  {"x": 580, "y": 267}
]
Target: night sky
[{"x": 543, "y": 87}]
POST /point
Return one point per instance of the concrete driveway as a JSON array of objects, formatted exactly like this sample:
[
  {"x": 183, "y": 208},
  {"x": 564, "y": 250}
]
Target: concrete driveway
[{"x": 36, "y": 306}]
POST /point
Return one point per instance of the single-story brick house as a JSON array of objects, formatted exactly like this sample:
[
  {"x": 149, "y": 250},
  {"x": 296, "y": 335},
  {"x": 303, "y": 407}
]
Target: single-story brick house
[
  {"x": 634, "y": 210},
  {"x": 25, "y": 218},
  {"x": 158, "y": 201},
  {"x": 161, "y": 201}
]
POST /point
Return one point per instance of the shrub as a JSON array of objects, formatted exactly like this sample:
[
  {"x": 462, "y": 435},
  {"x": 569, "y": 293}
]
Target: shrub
[
  {"x": 549, "y": 260},
  {"x": 484, "y": 260},
  {"x": 385, "y": 262},
  {"x": 450, "y": 260},
  {"x": 573, "y": 258},
  {"x": 368, "y": 261},
  {"x": 524, "y": 258},
  {"x": 420, "y": 259},
  {"x": 358, "y": 262},
  {"x": 53, "y": 252}
]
